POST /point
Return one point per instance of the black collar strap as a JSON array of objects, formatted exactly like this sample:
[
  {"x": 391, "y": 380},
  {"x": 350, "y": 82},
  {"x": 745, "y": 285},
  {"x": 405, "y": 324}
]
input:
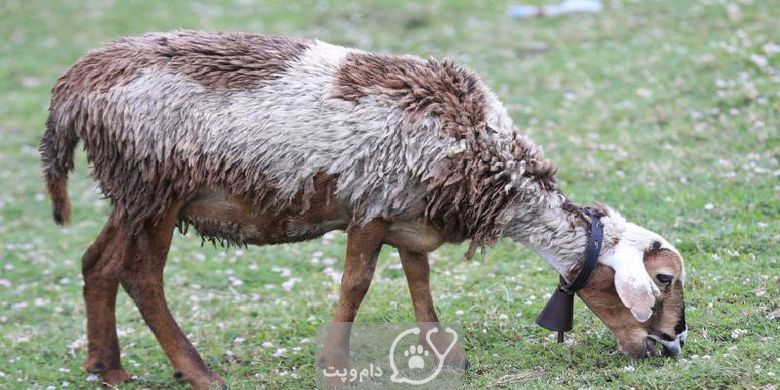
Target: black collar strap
[
  {"x": 592, "y": 250},
  {"x": 558, "y": 314}
]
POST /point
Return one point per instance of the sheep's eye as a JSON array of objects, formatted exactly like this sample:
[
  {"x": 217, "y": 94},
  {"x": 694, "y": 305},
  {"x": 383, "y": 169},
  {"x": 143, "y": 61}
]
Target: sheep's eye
[{"x": 664, "y": 278}]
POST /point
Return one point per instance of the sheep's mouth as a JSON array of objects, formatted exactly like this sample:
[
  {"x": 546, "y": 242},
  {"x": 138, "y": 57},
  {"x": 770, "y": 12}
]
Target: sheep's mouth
[{"x": 651, "y": 349}]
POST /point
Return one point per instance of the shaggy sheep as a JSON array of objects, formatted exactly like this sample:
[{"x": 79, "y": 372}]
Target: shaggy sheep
[{"x": 256, "y": 139}]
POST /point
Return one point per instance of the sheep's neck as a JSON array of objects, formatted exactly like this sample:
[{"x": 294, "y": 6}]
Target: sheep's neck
[{"x": 549, "y": 232}]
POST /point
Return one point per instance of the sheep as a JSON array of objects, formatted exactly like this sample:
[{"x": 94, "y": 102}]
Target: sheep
[{"x": 260, "y": 139}]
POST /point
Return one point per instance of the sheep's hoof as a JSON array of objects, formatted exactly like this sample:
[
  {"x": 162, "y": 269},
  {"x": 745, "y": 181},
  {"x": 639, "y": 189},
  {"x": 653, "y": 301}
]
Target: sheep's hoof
[
  {"x": 204, "y": 381},
  {"x": 111, "y": 376},
  {"x": 457, "y": 361},
  {"x": 116, "y": 377},
  {"x": 337, "y": 359},
  {"x": 334, "y": 383}
]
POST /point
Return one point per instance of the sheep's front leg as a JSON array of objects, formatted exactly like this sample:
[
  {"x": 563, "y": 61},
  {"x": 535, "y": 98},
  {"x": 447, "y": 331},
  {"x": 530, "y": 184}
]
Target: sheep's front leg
[
  {"x": 363, "y": 245},
  {"x": 417, "y": 270}
]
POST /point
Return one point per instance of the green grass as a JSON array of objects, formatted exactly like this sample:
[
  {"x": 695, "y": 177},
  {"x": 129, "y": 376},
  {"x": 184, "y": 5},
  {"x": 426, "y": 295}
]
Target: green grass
[{"x": 653, "y": 107}]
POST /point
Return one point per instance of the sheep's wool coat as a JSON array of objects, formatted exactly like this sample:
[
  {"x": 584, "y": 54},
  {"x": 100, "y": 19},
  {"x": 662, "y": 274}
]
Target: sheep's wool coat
[{"x": 167, "y": 114}]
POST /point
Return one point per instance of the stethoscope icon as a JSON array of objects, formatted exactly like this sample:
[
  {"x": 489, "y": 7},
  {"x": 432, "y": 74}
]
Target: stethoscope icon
[{"x": 440, "y": 356}]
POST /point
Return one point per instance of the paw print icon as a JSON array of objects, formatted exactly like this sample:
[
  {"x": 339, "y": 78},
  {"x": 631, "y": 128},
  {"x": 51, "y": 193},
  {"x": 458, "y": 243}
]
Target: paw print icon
[
  {"x": 415, "y": 356},
  {"x": 416, "y": 361}
]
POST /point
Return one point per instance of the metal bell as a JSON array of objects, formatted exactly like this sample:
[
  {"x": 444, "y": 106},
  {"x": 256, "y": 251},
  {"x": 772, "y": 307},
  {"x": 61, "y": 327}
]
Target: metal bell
[{"x": 558, "y": 314}]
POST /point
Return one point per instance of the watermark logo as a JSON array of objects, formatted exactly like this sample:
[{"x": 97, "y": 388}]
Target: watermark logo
[
  {"x": 415, "y": 353},
  {"x": 390, "y": 355}
]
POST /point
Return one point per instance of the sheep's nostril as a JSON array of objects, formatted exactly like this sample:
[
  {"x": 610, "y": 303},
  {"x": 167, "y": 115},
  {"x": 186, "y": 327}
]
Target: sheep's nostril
[{"x": 682, "y": 343}]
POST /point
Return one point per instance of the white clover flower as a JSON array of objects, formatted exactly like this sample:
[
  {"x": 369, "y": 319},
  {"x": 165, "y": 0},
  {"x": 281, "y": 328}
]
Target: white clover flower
[
  {"x": 644, "y": 93},
  {"x": 771, "y": 48},
  {"x": 737, "y": 333},
  {"x": 759, "y": 60},
  {"x": 19, "y": 305},
  {"x": 288, "y": 285}
]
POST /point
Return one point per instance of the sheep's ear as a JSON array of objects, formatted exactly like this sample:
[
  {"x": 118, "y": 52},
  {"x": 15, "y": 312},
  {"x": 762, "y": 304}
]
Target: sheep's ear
[{"x": 632, "y": 282}]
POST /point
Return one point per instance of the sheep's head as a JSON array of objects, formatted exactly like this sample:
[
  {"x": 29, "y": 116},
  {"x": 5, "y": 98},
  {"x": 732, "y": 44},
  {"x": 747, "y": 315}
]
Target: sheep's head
[
  {"x": 636, "y": 288},
  {"x": 637, "y": 291}
]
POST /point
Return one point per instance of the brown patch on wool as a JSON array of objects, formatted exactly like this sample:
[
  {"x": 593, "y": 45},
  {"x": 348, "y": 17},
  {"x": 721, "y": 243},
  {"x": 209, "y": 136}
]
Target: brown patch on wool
[
  {"x": 418, "y": 87},
  {"x": 219, "y": 60},
  {"x": 468, "y": 192},
  {"x": 467, "y": 197}
]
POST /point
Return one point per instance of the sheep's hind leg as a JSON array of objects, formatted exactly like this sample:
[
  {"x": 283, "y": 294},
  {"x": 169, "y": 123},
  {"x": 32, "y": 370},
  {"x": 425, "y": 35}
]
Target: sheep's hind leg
[
  {"x": 143, "y": 281},
  {"x": 101, "y": 268}
]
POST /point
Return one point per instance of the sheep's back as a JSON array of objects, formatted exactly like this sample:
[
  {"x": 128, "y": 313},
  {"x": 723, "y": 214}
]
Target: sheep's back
[{"x": 167, "y": 114}]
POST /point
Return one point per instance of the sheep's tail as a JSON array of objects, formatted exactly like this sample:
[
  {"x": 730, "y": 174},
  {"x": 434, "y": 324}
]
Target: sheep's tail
[{"x": 57, "y": 146}]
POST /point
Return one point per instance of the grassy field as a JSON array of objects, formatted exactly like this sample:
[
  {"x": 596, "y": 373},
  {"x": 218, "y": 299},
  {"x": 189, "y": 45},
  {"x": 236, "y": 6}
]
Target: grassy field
[{"x": 668, "y": 111}]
